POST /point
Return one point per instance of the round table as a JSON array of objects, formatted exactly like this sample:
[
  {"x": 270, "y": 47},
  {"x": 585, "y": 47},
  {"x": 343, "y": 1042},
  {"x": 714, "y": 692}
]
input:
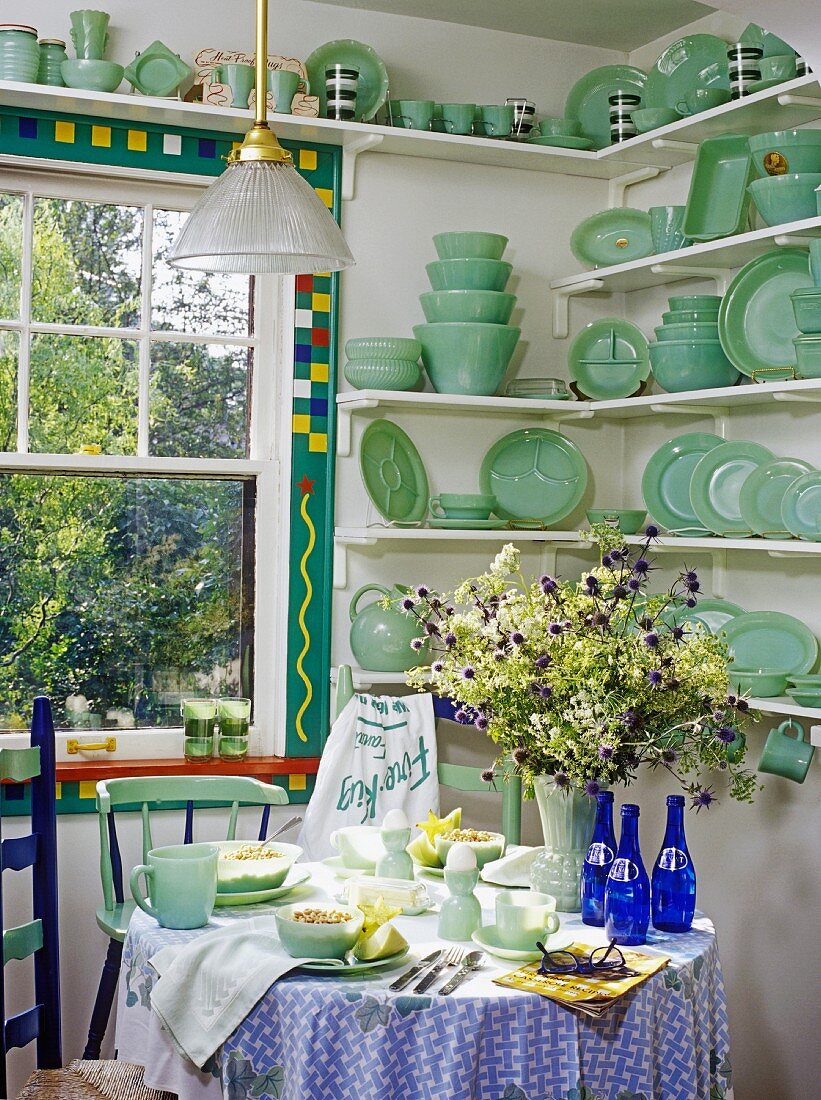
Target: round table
[{"x": 325, "y": 1038}]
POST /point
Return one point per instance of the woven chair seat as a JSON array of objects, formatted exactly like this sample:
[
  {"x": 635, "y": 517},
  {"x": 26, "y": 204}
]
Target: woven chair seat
[{"x": 91, "y": 1080}]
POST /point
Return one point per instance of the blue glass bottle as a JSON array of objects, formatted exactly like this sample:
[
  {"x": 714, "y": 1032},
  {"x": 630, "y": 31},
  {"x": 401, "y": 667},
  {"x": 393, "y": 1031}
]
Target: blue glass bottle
[
  {"x": 627, "y": 892},
  {"x": 674, "y": 877},
  {"x": 597, "y": 862}
]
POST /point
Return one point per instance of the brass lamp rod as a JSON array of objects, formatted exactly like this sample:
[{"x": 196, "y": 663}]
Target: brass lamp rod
[
  {"x": 262, "y": 64},
  {"x": 259, "y": 143}
]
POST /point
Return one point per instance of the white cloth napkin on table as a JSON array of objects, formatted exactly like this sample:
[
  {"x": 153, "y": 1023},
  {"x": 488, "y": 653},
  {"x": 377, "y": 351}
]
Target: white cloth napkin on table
[
  {"x": 513, "y": 869},
  {"x": 207, "y": 987}
]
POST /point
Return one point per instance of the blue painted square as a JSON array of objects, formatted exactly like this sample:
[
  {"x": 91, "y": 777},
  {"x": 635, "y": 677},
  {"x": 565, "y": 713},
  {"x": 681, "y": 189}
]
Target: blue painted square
[
  {"x": 27, "y": 127},
  {"x": 15, "y": 792},
  {"x": 207, "y": 148},
  {"x": 302, "y": 353},
  {"x": 319, "y": 406}
]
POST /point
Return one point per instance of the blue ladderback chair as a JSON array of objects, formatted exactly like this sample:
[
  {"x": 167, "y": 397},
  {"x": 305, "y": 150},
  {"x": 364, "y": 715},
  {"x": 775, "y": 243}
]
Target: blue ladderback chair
[{"x": 39, "y": 937}]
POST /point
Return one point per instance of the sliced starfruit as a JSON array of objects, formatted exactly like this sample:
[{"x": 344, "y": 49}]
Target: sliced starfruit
[
  {"x": 385, "y": 941},
  {"x": 377, "y": 913},
  {"x": 422, "y": 848}
]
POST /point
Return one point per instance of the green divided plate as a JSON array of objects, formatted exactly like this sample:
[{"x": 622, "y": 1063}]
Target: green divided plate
[
  {"x": 756, "y": 324},
  {"x": 587, "y": 100},
  {"x": 665, "y": 484},
  {"x": 351, "y": 969},
  {"x": 296, "y": 876},
  {"x": 771, "y": 639},
  {"x": 801, "y": 507},
  {"x": 697, "y": 61},
  {"x": 393, "y": 473},
  {"x": 715, "y": 486},
  {"x": 762, "y": 495},
  {"x": 535, "y": 474},
  {"x": 612, "y": 237},
  {"x": 466, "y": 524},
  {"x": 487, "y": 938},
  {"x": 561, "y": 141},
  {"x": 609, "y": 359},
  {"x": 372, "y": 89},
  {"x": 718, "y": 200},
  {"x": 713, "y": 615}
]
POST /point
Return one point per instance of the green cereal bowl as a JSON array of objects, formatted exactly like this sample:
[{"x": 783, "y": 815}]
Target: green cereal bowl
[
  {"x": 318, "y": 941},
  {"x": 93, "y": 76},
  {"x": 469, "y": 274},
  {"x": 688, "y": 330},
  {"x": 465, "y": 357},
  {"x": 689, "y": 316},
  {"x": 626, "y": 520},
  {"x": 491, "y": 307},
  {"x": 485, "y": 850},
  {"x": 806, "y": 305},
  {"x": 782, "y": 151},
  {"x": 766, "y": 683},
  {"x": 805, "y": 697},
  {"x": 651, "y": 118},
  {"x": 235, "y": 876},
  {"x": 695, "y": 301},
  {"x": 383, "y": 347},
  {"x": 808, "y": 355},
  {"x": 459, "y": 246},
  {"x": 682, "y": 365},
  {"x": 787, "y": 198}
]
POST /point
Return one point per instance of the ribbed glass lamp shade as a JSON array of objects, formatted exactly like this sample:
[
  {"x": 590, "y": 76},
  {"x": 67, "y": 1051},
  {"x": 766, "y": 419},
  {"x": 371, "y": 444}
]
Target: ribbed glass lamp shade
[{"x": 260, "y": 217}]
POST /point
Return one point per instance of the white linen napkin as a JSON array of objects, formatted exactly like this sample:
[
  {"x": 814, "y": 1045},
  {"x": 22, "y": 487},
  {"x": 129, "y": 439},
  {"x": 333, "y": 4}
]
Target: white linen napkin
[
  {"x": 207, "y": 987},
  {"x": 513, "y": 869}
]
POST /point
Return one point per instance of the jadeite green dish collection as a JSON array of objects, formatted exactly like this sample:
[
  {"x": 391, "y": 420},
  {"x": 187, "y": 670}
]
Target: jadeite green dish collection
[
  {"x": 588, "y": 99},
  {"x": 695, "y": 61},
  {"x": 393, "y": 473},
  {"x": 469, "y": 245},
  {"x": 765, "y": 683},
  {"x": 808, "y": 356},
  {"x": 682, "y": 365},
  {"x": 652, "y": 118},
  {"x": 609, "y": 359},
  {"x": 383, "y": 363},
  {"x": 786, "y": 151},
  {"x": 612, "y": 237},
  {"x": 716, "y": 481},
  {"x": 771, "y": 639},
  {"x": 92, "y": 75},
  {"x": 806, "y": 304},
  {"x": 665, "y": 484},
  {"x": 469, "y": 273},
  {"x": 718, "y": 199},
  {"x": 762, "y": 496},
  {"x": 319, "y": 941},
  {"x": 713, "y": 615},
  {"x": 787, "y": 198},
  {"x": 157, "y": 70},
  {"x": 536, "y": 475},
  {"x": 492, "y": 307},
  {"x": 19, "y": 53},
  {"x": 372, "y": 86},
  {"x": 466, "y": 357}
]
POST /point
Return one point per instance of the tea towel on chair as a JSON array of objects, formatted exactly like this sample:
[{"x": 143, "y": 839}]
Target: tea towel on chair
[{"x": 380, "y": 756}]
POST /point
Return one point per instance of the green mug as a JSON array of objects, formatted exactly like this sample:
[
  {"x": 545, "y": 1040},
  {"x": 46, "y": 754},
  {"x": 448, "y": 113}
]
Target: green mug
[
  {"x": 497, "y": 121},
  {"x": 283, "y": 85},
  {"x": 413, "y": 114},
  {"x": 239, "y": 78},
  {"x": 523, "y": 917},
  {"x": 182, "y": 884},
  {"x": 457, "y": 118},
  {"x": 785, "y": 755}
]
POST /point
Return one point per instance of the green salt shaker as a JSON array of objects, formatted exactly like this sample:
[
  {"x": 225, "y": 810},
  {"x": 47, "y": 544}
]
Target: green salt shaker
[
  {"x": 234, "y": 723},
  {"x": 461, "y": 913},
  {"x": 396, "y": 833},
  {"x": 198, "y": 717}
]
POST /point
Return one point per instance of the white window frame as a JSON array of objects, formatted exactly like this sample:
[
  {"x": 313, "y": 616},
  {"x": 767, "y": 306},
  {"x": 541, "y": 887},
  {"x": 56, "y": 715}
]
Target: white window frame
[{"x": 269, "y": 461}]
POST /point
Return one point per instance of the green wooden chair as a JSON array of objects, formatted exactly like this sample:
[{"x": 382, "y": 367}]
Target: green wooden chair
[
  {"x": 459, "y": 777},
  {"x": 145, "y": 794}
]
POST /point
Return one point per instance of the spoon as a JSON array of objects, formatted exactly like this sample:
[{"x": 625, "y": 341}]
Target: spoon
[{"x": 289, "y": 824}]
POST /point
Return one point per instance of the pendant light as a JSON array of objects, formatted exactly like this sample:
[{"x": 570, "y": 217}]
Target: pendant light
[{"x": 260, "y": 216}]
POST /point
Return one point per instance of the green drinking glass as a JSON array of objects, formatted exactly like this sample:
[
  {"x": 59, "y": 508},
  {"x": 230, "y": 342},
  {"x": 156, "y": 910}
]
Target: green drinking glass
[
  {"x": 234, "y": 724},
  {"x": 198, "y": 717}
]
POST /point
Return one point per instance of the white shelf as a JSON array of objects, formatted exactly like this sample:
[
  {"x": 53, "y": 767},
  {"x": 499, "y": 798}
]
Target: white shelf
[
  {"x": 454, "y": 402},
  {"x": 785, "y": 705}
]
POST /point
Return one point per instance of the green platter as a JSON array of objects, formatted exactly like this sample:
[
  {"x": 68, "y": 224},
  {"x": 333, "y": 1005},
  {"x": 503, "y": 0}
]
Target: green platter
[
  {"x": 665, "y": 484},
  {"x": 561, "y": 141},
  {"x": 372, "y": 89},
  {"x": 612, "y": 237},
  {"x": 715, "y": 486},
  {"x": 696, "y": 61},
  {"x": 393, "y": 473},
  {"x": 296, "y": 876},
  {"x": 756, "y": 323},
  {"x": 587, "y": 100},
  {"x": 535, "y": 474},
  {"x": 771, "y": 639},
  {"x": 351, "y": 969},
  {"x": 762, "y": 496},
  {"x": 713, "y": 615},
  {"x": 801, "y": 507},
  {"x": 608, "y": 359}
]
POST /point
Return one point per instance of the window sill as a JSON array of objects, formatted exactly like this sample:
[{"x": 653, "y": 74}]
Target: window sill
[{"x": 263, "y": 767}]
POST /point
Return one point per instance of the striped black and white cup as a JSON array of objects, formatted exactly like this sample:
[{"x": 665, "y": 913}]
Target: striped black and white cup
[{"x": 341, "y": 88}]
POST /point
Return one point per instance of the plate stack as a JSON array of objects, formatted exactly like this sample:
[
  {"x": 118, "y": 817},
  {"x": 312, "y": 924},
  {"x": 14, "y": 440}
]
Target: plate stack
[
  {"x": 467, "y": 343},
  {"x": 687, "y": 353}
]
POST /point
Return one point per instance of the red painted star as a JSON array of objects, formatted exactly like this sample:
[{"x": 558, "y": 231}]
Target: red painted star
[{"x": 306, "y": 486}]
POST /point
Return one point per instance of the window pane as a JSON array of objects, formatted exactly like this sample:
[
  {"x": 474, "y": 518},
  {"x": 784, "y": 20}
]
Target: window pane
[
  {"x": 9, "y": 344},
  {"x": 83, "y": 391},
  {"x": 192, "y": 301},
  {"x": 128, "y": 592},
  {"x": 87, "y": 263},
  {"x": 11, "y": 252},
  {"x": 199, "y": 400}
]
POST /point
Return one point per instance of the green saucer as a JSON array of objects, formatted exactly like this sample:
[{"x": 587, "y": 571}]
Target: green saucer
[
  {"x": 372, "y": 85},
  {"x": 341, "y": 871},
  {"x": 296, "y": 876},
  {"x": 393, "y": 473},
  {"x": 535, "y": 474},
  {"x": 771, "y": 639},
  {"x": 351, "y": 969},
  {"x": 561, "y": 141},
  {"x": 437, "y": 872},
  {"x": 715, "y": 487},
  {"x": 487, "y": 938},
  {"x": 612, "y": 237}
]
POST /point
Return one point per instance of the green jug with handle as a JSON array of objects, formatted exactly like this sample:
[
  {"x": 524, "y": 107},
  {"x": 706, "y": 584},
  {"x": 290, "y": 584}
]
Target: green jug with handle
[{"x": 381, "y": 637}]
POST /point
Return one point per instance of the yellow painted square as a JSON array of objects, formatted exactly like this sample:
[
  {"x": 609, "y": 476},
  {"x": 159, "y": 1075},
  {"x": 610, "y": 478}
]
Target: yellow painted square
[
  {"x": 137, "y": 141},
  {"x": 296, "y": 783},
  {"x": 58, "y": 791},
  {"x": 64, "y": 131},
  {"x": 307, "y": 161},
  {"x": 88, "y": 788},
  {"x": 326, "y": 195},
  {"x": 301, "y": 424},
  {"x": 321, "y": 303},
  {"x": 101, "y": 136},
  {"x": 318, "y": 442},
  {"x": 319, "y": 372}
]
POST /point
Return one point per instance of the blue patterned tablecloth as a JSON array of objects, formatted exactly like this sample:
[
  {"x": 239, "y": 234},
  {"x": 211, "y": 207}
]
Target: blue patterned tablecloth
[{"x": 320, "y": 1038}]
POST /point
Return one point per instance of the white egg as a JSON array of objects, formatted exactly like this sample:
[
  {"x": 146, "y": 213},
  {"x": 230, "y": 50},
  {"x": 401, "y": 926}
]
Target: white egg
[
  {"x": 395, "y": 819},
  {"x": 461, "y": 857}
]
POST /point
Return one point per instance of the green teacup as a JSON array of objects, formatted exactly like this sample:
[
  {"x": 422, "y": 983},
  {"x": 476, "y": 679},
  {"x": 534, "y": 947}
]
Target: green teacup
[
  {"x": 778, "y": 67},
  {"x": 496, "y": 121},
  {"x": 239, "y": 78},
  {"x": 182, "y": 881},
  {"x": 283, "y": 84},
  {"x": 360, "y": 846},
  {"x": 559, "y": 127},
  {"x": 457, "y": 118},
  {"x": 523, "y": 917},
  {"x": 462, "y": 505},
  {"x": 786, "y": 755},
  {"x": 413, "y": 114}
]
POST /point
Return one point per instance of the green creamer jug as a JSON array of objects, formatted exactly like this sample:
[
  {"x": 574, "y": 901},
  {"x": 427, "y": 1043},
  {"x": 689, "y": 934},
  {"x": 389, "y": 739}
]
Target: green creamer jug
[{"x": 381, "y": 637}]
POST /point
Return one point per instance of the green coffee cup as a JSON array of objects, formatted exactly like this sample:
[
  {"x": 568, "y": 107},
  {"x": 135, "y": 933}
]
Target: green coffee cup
[
  {"x": 496, "y": 121},
  {"x": 523, "y": 917},
  {"x": 182, "y": 884},
  {"x": 413, "y": 114},
  {"x": 786, "y": 755},
  {"x": 239, "y": 78},
  {"x": 457, "y": 118},
  {"x": 283, "y": 84}
]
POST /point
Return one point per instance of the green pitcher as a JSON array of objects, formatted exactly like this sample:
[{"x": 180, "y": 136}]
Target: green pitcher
[{"x": 381, "y": 637}]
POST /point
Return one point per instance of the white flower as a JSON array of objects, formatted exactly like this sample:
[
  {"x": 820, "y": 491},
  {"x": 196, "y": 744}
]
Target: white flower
[{"x": 506, "y": 561}]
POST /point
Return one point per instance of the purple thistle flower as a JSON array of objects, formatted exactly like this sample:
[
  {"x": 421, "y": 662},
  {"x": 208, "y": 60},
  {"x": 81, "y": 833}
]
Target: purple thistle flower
[
  {"x": 555, "y": 629},
  {"x": 742, "y": 705},
  {"x": 487, "y": 775},
  {"x": 606, "y": 752},
  {"x": 499, "y": 654},
  {"x": 517, "y": 637},
  {"x": 606, "y": 561},
  {"x": 691, "y": 602},
  {"x": 619, "y": 592},
  {"x": 432, "y": 630},
  {"x": 600, "y": 618},
  {"x": 731, "y": 700},
  {"x": 437, "y": 666},
  {"x": 548, "y": 585},
  {"x": 634, "y": 585},
  {"x": 520, "y": 756},
  {"x": 449, "y": 610},
  {"x": 673, "y": 684},
  {"x": 719, "y": 716},
  {"x": 654, "y": 678},
  {"x": 642, "y": 567},
  {"x": 450, "y": 640},
  {"x": 421, "y": 591},
  {"x": 726, "y": 734},
  {"x": 435, "y": 603},
  {"x": 417, "y": 644},
  {"x": 468, "y": 672},
  {"x": 651, "y": 640},
  {"x": 591, "y": 584},
  {"x": 542, "y": 662},
  {"x": 562, "y": 780},
  {"x": 669, "y": 756},
  {"x": 481, "y": 722},
  {"x": 632, "y": 760},
  {"x": 692, "y": 586},
  {"x": 545, "y": 691},
  {"x": 651, "y": 531},
  {"x": 460, "y": 715},
  {"x": 678, "y": 633},
  {"x": 630, "y": 719},
  {"x": 408, "y": 604},
  {"x": 703, "y": 799},
  {"x": 591, "y": 788}
]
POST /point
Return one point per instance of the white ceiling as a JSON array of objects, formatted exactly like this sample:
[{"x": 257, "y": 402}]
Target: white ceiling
[{"x": 614, "y": 24}]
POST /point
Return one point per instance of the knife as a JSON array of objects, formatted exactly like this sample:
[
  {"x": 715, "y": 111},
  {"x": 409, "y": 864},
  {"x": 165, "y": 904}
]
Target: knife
[
  {"x": 431, "y": 975},
  {"x": 409, "y": 975},
  {"x": 472, "y": 962}
]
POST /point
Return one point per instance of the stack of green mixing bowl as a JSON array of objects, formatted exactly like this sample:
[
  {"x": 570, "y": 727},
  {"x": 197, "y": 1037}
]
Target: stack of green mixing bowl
[
  {"x": 383, "y": 363},
  {"x": 687, "y": 354}
]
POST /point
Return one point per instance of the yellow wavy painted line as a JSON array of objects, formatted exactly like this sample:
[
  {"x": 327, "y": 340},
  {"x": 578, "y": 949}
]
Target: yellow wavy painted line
[{"x": 309, "y": 591}]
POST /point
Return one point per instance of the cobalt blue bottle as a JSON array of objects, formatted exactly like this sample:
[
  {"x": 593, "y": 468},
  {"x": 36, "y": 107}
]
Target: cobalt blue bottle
[
  {"x": 627, "y": 892},
  {"x": 674, "y": 877},
  {"x": 597, "y": 862}
]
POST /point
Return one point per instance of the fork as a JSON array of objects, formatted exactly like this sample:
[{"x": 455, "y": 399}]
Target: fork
[{"x": 453, "y": 957}]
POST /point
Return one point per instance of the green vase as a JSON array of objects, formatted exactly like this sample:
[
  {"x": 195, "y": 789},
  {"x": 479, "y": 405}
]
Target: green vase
[{"x": 567, "y": 822}]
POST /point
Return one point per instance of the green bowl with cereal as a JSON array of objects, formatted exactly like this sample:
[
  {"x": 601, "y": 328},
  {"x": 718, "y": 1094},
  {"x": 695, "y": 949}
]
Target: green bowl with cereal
[
  {"x": 487, "y": 846},
  {"x": 245, "y": 865},
  {"x": 309, "y": 931}
]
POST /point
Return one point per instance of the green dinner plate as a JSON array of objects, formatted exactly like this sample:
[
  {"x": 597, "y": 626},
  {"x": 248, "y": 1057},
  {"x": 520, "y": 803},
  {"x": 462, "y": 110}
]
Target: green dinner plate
[
  {"x": 487, "y": 938},
  {"x": 535, "y": 474},
  {"x": 713, "y": 615},
  {"x": 696, "y": 61},
  {"x": 771, "y": 44},
  {"x": 665, "y": 484},
  {"x": 715, "y": 486},
  {"x": 771, "y": 639},
  {"x": 372, "y": 89},
  {"x": 608, "y": 359},
  {"x": 561, "y": 141},
  {"x": 756, "y": 324},
  {"x": 612, "y": 237},
  {"x": 801, "y": 507},
  {"x": 351, "y": 969},
  {"x": 393, "y": 473},
  {"x": 466, "y": 524},
  {"x": 587, "y": 100},
  {"x": 296, "y": 876},
  {"x": 762, "y": 495}
]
